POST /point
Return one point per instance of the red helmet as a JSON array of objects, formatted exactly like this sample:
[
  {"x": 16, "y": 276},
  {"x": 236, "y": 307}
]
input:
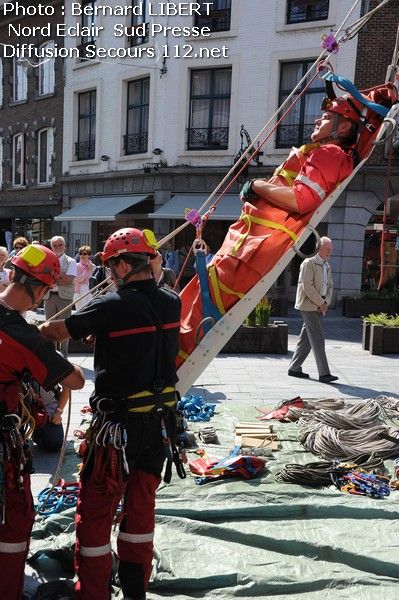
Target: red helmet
[
  {"x": 130, "y": 241},
  {"x": 345, "y": 105},
  {"x": 38, "y": 262}
]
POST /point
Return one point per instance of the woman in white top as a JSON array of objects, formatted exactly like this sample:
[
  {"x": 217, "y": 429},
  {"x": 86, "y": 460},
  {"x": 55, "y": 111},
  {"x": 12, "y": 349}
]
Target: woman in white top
[{"x": 5, "y": 274}]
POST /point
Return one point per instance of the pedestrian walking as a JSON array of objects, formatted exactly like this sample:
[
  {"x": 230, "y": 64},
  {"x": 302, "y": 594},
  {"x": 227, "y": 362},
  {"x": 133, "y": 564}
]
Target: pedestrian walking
[
  {"x": 23, "y": 351},
  {"x": 313, "y": 297},
  {"x": 135, "y": 422}
]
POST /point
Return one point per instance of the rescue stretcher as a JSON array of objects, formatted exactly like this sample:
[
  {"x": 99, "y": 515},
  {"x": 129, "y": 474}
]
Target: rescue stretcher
[{"x": 217, "y": 336}]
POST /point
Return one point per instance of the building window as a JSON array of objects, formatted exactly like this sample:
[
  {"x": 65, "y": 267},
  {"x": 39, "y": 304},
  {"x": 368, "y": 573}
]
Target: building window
[
  {"x": 20, "y": 81},
  {"x": 85, "y": 148},
  {"x": 138, "y": 101},
  {"x": 217, "y": 16},
  {"x": 303, "y": 11},
  {"x": 298, "y": 124},
  {"x": 18, "y": 160},
  {"x": 210, "y": 93},
  {"x": 46, "y": 71},
  {"x": 140, "y": 21},
  {"x": 88, "y": 20},
  {"x": 45, "y": 155}
]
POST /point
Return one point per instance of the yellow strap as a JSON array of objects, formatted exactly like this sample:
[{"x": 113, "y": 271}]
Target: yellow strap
[
  {"x": 166, "y": 390},
  {"x": 248, "y": 219},
  {"x": 215, "y": 283},
  {"x": 289, "y": 176},
  {"x": 149, "y": 407},
  {"x": 183, "y": 355}
]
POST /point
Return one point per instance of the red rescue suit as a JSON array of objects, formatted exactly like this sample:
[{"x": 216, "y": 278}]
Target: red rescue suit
[
  {"x": 128, "y": 325},
  {"x": 263, "y": 234},
  {"x": 22, "y": 349}
]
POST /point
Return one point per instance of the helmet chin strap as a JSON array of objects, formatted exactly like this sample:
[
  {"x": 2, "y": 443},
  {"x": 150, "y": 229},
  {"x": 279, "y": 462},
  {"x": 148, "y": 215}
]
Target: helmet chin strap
[{"x": 120, "y": 281}]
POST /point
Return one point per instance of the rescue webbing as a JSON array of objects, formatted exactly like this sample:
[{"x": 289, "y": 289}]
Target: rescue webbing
[{"x": 248, "y": 219}]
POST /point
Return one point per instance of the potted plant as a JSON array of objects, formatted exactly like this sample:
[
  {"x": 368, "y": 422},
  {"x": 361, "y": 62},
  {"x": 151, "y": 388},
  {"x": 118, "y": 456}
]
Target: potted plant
[
  {"x": 257, "y": 335},
  {"x": 381, "y": 333},
  {"x": 372, "y": 301}
]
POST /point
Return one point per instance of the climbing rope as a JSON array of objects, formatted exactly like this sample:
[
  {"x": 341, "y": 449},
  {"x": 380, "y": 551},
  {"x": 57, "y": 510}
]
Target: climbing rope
[{"x": 319, "y": 474}]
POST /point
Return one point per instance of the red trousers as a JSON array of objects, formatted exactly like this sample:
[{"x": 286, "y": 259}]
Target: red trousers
[
  {"x": 95, "y": 512},
  {"x": 15, "y": 537}
]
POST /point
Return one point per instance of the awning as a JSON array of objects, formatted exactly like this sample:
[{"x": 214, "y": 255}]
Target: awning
[
  {"x": 227, "y": 209},
  {"x": 101, "y": 208}
]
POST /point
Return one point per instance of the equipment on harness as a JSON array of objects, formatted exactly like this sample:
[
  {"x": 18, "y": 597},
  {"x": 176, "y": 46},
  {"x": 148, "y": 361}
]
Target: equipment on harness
[{"x": 363, "y": 484}]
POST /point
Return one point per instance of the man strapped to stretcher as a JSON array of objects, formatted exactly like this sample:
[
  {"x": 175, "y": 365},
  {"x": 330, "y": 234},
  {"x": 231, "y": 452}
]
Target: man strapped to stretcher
[
  {"x": 275, "y": 212},
  {"x": 311, "y": 172},
  {"x": 135, "y": 421}
]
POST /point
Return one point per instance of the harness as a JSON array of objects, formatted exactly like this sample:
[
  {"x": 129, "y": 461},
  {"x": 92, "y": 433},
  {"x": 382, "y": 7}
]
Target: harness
[{"x": 109, "y": 429}]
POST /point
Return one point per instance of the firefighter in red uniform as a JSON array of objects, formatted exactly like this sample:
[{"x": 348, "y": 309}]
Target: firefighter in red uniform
[
  {"x": 312, "y": 171},
  {"x": 134, "y": 422},
  {"x": 23, "y": 352}
]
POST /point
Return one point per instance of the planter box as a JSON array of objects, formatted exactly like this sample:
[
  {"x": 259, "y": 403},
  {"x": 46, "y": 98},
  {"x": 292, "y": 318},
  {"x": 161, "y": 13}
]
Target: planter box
[
  {"x": 272, "y": 339},
  {"x": 356, "y": 307},
  {"x": 384, "y": 340}
]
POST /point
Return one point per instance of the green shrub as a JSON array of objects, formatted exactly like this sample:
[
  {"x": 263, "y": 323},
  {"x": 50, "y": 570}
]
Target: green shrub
[
  {"x": 384, "y": 293},
  {"x": 260, "y": 315},
  {"x": 382, "y": 319}
]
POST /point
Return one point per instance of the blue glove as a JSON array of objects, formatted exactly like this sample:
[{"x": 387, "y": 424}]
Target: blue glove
[{"x": 246, "y": 193}]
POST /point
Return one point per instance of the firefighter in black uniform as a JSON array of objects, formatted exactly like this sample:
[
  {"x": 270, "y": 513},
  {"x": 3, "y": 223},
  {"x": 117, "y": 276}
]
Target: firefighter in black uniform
[
  {"x": 134, "y": 423},
  {"x": 23, "y": 352}
]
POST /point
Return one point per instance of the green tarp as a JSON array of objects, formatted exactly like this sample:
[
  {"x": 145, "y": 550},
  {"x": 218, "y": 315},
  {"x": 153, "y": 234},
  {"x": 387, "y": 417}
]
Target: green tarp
[{"x": 259, "y": 538}]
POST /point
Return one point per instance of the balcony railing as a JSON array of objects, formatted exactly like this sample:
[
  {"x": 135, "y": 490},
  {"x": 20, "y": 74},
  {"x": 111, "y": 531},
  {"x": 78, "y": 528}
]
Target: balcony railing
[
  {"x": 85, "y": 150},
  {"x": 293, "y": 135},
  {"x": 217, "y": 20},
  {"x": 135, "y": 143},
  {"x": 208, "y": 138},
  {"x": 302, "y": 12}
]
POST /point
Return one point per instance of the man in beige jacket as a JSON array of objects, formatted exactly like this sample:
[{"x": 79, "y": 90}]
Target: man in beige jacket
[{"x": 313, "y": 297}]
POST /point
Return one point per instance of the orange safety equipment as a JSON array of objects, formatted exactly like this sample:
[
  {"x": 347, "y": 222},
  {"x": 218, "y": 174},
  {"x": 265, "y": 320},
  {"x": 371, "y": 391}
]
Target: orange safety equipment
[
  {"x": 129, "y": 241},
  {"x": 38, "y": 263}
]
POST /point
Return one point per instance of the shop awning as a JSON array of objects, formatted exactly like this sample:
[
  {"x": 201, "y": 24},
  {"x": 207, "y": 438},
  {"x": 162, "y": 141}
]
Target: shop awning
[
  {"x": 101, "y": 208},
  {"x": 228, "y": 208}
]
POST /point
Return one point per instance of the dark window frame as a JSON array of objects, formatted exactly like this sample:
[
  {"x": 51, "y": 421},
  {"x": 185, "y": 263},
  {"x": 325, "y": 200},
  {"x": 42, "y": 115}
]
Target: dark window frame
[
  {"x": 87, "y": 21},
  {"x": 22, "y": 162},
  {"x": 90, "y": 152},
  {"x": 302, "y": 128},
  {"x": 212, "y": 97},
  {"x": 138, "y": 40},
  {"x": 218, "y": 19},
  {"x": 142, "y": 135},
  {"x": 310, "y": 12}
]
